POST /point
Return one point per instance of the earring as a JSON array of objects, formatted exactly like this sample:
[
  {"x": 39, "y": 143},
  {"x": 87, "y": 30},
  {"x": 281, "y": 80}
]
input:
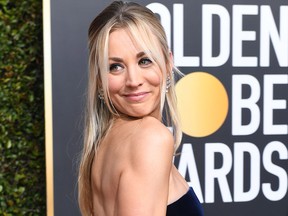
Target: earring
[
  {"x": 101, "y": 94},
  {"x": 168, "y": 83}
]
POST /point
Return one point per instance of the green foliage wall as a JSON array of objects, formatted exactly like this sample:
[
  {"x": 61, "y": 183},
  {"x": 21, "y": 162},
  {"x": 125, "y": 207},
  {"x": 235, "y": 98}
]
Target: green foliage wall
[{"x": 22, "y": 158}]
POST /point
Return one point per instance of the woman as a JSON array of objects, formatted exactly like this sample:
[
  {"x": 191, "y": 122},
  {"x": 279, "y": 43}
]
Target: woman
[{"x": 126, "y": 166}]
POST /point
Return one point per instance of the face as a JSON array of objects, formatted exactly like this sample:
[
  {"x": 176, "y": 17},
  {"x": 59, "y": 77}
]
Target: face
[{"x": 134, "y": 80}]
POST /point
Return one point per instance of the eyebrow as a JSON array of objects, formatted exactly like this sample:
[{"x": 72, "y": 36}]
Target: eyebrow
[{"x": 117, "y": 59}]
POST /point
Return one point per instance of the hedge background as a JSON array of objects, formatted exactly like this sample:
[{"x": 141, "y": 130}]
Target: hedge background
[{"x": 22, "y": 157}]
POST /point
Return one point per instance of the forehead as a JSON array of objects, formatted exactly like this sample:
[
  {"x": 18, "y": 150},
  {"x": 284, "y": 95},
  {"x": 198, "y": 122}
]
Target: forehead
[
  {"x": 135, "y": 37},
  {"x": 121, "y": 41}
]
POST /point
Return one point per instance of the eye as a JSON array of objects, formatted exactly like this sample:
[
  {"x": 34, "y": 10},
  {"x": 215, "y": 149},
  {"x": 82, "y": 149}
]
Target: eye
[
  {"x": 115, "y": 67},
  {"x": 145, "y": 61}
]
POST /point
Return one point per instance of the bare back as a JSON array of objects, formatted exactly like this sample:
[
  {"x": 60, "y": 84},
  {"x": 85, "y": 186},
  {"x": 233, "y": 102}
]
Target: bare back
[{"x": 132, "y": 173}]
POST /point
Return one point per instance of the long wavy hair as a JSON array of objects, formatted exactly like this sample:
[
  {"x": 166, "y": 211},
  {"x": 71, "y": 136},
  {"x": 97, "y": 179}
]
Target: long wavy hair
[{"x": 147, "y": 31}]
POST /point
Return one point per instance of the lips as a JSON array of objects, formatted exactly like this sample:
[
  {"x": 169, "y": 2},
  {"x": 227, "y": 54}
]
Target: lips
[{"x": 136, "y": 97}]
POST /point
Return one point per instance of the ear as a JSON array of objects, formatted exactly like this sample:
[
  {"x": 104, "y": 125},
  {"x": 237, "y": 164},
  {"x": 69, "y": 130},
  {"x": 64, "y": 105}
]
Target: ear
[
  {"x": 99, "y": 82},
  {"x": 171, "y": 60}
]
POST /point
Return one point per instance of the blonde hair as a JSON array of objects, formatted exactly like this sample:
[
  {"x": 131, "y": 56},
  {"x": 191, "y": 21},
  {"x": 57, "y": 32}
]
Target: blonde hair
[{"x": 147, "y": 31}]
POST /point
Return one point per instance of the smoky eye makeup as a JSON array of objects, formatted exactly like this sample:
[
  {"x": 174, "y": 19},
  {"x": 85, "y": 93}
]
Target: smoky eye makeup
[
  {"x": 145, "y": 61},
  {"x": 114, "y": 67}
]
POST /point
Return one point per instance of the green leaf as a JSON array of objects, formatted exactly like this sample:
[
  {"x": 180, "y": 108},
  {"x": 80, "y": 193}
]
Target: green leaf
[
  {"x": 9, "y": 144},
  {"x": 22, "y": 164}
]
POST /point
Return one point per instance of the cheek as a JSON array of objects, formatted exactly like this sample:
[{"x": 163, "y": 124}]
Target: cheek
[
  {"x": 114, "y": 84},
  {"x": 155, "y": 79}
]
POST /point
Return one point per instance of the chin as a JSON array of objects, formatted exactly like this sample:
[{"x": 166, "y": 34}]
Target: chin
[{"x": 145, "y": 114}]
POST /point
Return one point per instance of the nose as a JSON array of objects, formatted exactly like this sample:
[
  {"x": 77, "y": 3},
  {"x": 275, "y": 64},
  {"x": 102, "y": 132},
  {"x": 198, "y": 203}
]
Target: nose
[{"x": 134, "y": 77}]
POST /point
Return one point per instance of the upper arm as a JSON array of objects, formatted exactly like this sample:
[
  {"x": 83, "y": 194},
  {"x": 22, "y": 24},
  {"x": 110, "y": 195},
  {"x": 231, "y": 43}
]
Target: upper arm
[{"x": 144, "y": 182}]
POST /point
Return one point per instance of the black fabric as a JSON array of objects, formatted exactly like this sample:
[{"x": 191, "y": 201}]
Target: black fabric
[{"x": 187, "y": 205}]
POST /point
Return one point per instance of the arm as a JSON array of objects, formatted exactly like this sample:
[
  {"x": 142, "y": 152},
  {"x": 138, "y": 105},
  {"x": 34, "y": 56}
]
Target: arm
[{"x": 144, "y": 183}]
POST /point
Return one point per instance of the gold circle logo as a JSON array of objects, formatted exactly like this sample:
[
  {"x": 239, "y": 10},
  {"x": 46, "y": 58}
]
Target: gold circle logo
[{"x": 202, "y": 102}]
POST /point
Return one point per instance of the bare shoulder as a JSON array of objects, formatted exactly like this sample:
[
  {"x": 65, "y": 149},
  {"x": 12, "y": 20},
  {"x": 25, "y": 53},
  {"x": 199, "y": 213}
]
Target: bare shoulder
[
  {"x": 151, "y": 134},
  {"x": 147, "y": 169},
  {"x": 151, "y": 142},
  {"x": 152, "y": 128}
]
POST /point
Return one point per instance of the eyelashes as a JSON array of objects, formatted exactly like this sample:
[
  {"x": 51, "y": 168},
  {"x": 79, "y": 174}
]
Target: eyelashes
[
  {"x": 143, "y": 62},
  {"x": 115, "y": 67}
]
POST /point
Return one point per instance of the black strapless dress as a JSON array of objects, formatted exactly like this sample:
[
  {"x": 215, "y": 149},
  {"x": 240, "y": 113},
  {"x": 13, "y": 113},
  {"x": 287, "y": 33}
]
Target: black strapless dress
[{"x": 187, "y": 205}]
